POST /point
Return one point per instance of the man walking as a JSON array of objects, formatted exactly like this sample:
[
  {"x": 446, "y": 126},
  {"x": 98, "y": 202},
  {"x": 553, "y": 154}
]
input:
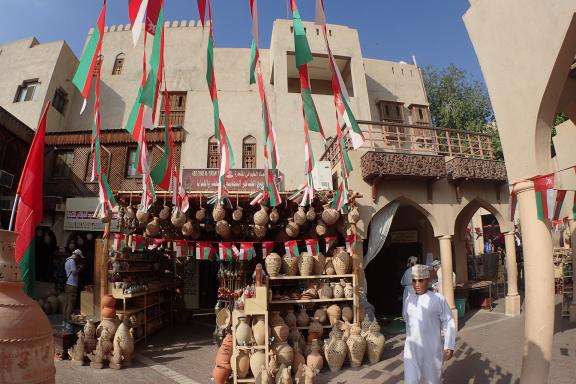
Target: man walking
[
  {"x": 426, "y": 314},
  {"x": 71, "y": 288}
]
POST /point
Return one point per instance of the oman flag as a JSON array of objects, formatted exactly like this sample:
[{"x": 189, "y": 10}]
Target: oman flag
[
  {"x": 548, "y": 200},
  {"x": 29, "y": 199}
]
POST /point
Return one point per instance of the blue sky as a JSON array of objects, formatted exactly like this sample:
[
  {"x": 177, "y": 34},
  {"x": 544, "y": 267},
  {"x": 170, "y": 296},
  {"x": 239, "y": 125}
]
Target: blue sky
[{"x": 432, "y": 30}]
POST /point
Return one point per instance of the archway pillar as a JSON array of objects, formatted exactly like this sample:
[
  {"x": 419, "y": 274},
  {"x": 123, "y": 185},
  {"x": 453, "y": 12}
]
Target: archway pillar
[
  {"x": 447, "y": 270},
  {"x": 572, "y": 226},
  {"x": 539, "y": 287},
  {"x": 512, "y": 296}
]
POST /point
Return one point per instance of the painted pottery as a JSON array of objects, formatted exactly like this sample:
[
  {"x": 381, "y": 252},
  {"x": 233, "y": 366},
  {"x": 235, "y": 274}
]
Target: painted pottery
[
  {"x": 305, "y": 264},
  {"x": 290, "y": 318},
  {"x": 347, "y": 314},
  {"x": 319, "y": 264},
  {"x": 261, "y": 217},
  {"x": 311, "y": 214},
  {"x": 325, "y": 292},
  {"x": 341, "y": 261},
  {"x": 257, "y": 360},
  {"x": 330, "y": 216},
  {"x": 273, "y": 264},
  {"x": 348, "y": 291},
  {"x": 356, "y": 347},
  {"x": 334, "y": 313},
  {"x": 335, "y": 350},
  {"x": 300, "y": 216},
  {"x": 337, "y": 290},
  {"x": 243, "y": 332},
  {"x": 292, "y": 229},
  {"x": 274, "y": 216},
  {"x": 218, "y": 213},
  {"x": 290, "y": 265},
  {"x": 314, "y": 359},
  {"x": 375, "y": 342},
  {"x": 329, "y": 267},
  {"x": 302, "y": 319}
]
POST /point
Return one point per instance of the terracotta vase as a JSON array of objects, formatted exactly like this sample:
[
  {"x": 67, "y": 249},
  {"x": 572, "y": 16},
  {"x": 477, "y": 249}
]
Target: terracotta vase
[
  {"x": 108, "y": 301},
  {"x": 279, "y": 328},
  {"x": 257, "y": 360},
  {"x": 290, "y": 265},
  {"x": 335, "y": 350},
  {"x": 334, "y": 313},
  {"x": 314, "y": 359},
  {"x": 337, "y": 290},
  {"x": 375, "y": 343},
  {"x": 259, "y": 329},
  {"x": 321, "y": 228},
  {"x": 142, "y": 216},
  {"x": 124, "y": 341},
  {"x": 311, "y": 214},
  {"x": 261, "y": 217},
  {"x": 110, "y": 323},
  {"x": 241, "y": 364},
  {"x": 347, "y": 314},
  {"x": 224, "y": 353},
  {"x": 325, "y": 292},
  {"x": 300, "y": 216},
  {"x": 243, "y": 332},
  {"x": 319, "y": 264},
  {"x": 24, "y": 328},
  {"x": 259, "y": 231},
  {"x": 108, "y": 312},
  {"x": 356, "y": 347},
  {"x": 290, "y": 318},
  {"x": 353, "y": 215},
  {"x": 321, "y": 315},
  {"x": 153, "y": 227},
  {"x": 305, "y": 264},
  {"x": 330, "y": 216},
  {"x": 178, "y": 218},
  {"x": 292, "y": 229},
  {"x": 220, "y": 375},
  {"x": 284, "y": 353},
  {"x": 274, "y": 216},
  {"x": 164, "y": 213},
  {"x": 341, "y": 261},
  {"x": 302, "y": 319},
  {"x": 200, "y": 214},
  {"x": 273, "y": 264},
  {"x": 329, "y": 267},
  {"x": 298, "y": 358},
  {"x": 349, "y": 291},
  {"x": 218, "y": 213},
  {"x": 237, "y": 214},
  {"x": 223, "y": 229},
  {"x": 315, "y": 327}
]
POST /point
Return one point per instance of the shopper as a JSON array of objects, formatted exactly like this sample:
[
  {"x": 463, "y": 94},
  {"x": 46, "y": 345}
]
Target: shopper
[
  {"x": 406, "y": 281},
  {"x": 437, "y": 285},
  {"x": 72, "y": 270},
  {"x": 427, "y": 314}
]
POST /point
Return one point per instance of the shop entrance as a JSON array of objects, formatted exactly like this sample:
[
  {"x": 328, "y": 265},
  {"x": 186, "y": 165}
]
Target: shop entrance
[{"x": 208, "y": 284}]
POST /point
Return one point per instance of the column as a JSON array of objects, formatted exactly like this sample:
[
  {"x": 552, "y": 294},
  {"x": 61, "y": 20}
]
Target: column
[
  {"x": 539, "y": 288},
  {"x": 572, "y": 226},
  {"x": 447, "y": 269},
  {"x": 512, "y": 297}
]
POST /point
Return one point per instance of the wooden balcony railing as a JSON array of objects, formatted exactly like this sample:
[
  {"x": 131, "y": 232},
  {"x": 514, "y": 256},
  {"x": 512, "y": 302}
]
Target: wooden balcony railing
[
  {"x": 176, "y": 118},
  {"x": 417, "y": 139}
]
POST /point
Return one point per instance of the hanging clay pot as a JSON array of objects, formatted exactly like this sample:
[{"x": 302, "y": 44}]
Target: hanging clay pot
[
  {"x": 290, "y": 265},
  {"x": 164, "y": 213},
  {"x": 325, "y": 292},
  {"x": 334, "y": 313},
  {"x": 341, "y": 261},
  {"x": 129, "y": 213},
  {"x": 284, "y": 353},
  {"x": 314, "y": 359},
  {"x": 347, "y": 314},
  {"x": 348, "y": 291},
  {"x": 153, "y": 227},
  {"x": 223, "y": 229},
  {"x": 187, "y": 228},
  {"x": 321, "y": 228},
  {"x": 335, "y": 350},
  {"x": 274, "y": 216},
  {"x": 200, "y": 214},
  {"x": 292, "y": 229},
  {"x": 273, "y": 264},
  {"x": 261, "y": 217},
  {"x": 178, "y": 218},
  {"x": 259, "y": 231},
  {"x": 319, "y": 264},
  {"x": 142, "y": 216},
  {"x": 337, "y": 290},
  {"x": 218, "y": 213},
  {"x": 305, "y": 264},
  {"x": 257, "y": 360},
  {"x": 329, "y": 267},
  {"x": 242, "y": 364},
  {"x": 302, "y": 319},
  {"x": 278, "y": 327},
  {"x": 375, "y": 342},
  {"x": 290, "y": 318},
  {"x": 330, "y": 216},
  {"x": 321, "y": 315},
  {"x": 356, "y": 347},
  {"x": 298, "y": 358},
  {"x": 195, "y": 235},
  {"x": 237, "y": 214},
  {"x": 300, "y": 216},
  {"x": 354, "y": 215},
  {"x": 311, "y": 214},
  {"x": 243, "y": 332}
]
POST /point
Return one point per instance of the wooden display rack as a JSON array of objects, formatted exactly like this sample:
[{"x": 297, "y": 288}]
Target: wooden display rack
[{"x": 567, "y": 286}]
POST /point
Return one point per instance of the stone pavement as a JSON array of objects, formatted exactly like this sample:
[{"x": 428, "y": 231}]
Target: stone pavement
[{"x": 489, "y": 351}]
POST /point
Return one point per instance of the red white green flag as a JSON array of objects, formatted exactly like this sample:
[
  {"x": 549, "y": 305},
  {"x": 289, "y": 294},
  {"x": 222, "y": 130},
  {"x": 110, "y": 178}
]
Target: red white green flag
[
  {"x": 545, "y": 196},
  {"x": 329, "y": 242},
  {"x": 119, "y": 242},
  {"x": 136, "y": 13},
  {"x": 180, "y": 197},
  {"x": 83, "y": 77},
  {"x": 247, "y": 251},
  {"x": 291, "y": 247},
  {"x": 204, "y": 250},
  {"x": 182, "y": 248},
  {"x": 313, "y": 246},
  {"x": 560, "y": 196},
  {"x": 225, "y": 251},
  {"x": 351, "y": 244},
  {"x": 29, "y": 195},
  {"x": 162, "y": 173},
  {"x": 138, "y": 243},
  {"x": 267, "y": 248},
  {"x": 310, "y": 113}
]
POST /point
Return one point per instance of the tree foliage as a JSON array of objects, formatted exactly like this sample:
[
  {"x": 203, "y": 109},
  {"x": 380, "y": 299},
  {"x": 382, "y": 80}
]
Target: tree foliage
[{"x": 459, "y": 102}]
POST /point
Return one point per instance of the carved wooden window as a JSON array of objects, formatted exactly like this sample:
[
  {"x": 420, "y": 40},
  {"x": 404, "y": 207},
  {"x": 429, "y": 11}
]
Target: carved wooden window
[
  {"x": 98, "y": 64},
  {"x": 63, "y": 161},
  {"x": 420, "y": 114},
  {"x": 104, "y": 163},
  {"x": 249, "y": 152},
  {"x": 118, "y": 64},
  {"x": 177, "y": 106},
  {"x": 213, "y": 154},
  {"x": 391, "y": 111}
]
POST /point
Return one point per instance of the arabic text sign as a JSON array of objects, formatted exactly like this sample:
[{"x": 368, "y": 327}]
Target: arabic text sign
[{"x": 241, "y": 180}]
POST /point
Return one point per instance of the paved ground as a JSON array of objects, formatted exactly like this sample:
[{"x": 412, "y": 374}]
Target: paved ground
[{"x": 489, "y": 350}]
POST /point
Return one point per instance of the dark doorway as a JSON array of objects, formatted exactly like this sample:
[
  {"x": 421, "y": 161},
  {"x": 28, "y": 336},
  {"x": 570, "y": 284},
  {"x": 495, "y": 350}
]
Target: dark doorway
[{"x": 208, "y": 284}]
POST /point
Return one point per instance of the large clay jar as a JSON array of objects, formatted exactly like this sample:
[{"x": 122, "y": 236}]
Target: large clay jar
[
  {"x": 330, "y": 216},
  {"x": 375, "y": 342},
  {"x": 321, "y": 315},
  {"x": 348, "y": 291},
  {"x": 302, "y": 319},
  {"x": 108, "y": 301},
  {"x": 290, "y": 265},
  {"x": 290, "y": 318},
  {"x": 315, "y": 327},
  {"x": 242, "y": 364},
  {"x": 292, "y": 229},
  {"x": 335, "y": 350},
  {"x": 314, "y": 359},
  {"x": 218, "y": 213},
  {"x": 300, "y": 216},
  {"x": 153, "y": 227},
  {"x": 329, "y": 267},
  {"x": 259, "y": 329},
  {"x": 273, "y": 264},
  {"x": 257, "y": 360},
  {"x": 274, "y": 216},
  {"x": 124, "y": 340},
  {"x": 220, "y": 375},
  {"x": 224, "y": 354},
  {"x": 178, "y": 218},
  {"x": 24, "y": 328},
  {"x": 337, "y": 290},
  {"x": 347, "y": 314},
  {"x": 243, "y": 332},
  {"x": 325, "y": 292},
  {"x": 356, "y": 347},
  {"x": 284, "y": 353},
  {"x": 305, "y": 264},
  {"x": 298, "y": 358},
  {"x": 341, "y": 261},
  {"x": 319, "y": 264},
  {"x": 334, "y": 313},
  {"x": 261, "y": 217},
  {"x": 279, "y": 328},
  {"x": 311, "y": 214},
  {"x": 200, "y": 214}
]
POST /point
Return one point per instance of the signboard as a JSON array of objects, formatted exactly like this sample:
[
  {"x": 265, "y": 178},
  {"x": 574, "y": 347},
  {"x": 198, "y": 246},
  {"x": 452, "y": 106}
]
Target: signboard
[
  {"x": 80, "y": 215},
  {"x": 238, "y": 180},
  {"x": 409, "y": 236}
]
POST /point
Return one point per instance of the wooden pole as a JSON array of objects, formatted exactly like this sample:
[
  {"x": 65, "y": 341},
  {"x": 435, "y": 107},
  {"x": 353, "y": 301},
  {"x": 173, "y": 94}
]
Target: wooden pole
[
  {"x": 102, "y": 266},
  {"x": 357, "y": 263}
]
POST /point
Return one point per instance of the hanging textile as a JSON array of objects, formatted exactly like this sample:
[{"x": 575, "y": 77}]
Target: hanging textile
[{"x": 379, "y": 228}]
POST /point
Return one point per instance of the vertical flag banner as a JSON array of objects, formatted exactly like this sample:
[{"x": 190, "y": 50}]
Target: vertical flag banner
[
  {"x": 291, "y": 247},
  {"x": 225, "y": 251},
  {"x": 247, "y": 251},
  {"x": 329, "y": 242},
  {"x": 351, "y": 244},
  {"x": 313, "y": 246},
  {"x": 545, "y": 196},
  {"x": 162, "y": 173},
  {"x": 29, "y": 195},
  {"x": 204, "y": 250},
  {"x": 513, "y": 203},
  {"x": 267, "y": 248},
  {"x": 136, "y": 13},
  {"x": 560, "y": 196}
]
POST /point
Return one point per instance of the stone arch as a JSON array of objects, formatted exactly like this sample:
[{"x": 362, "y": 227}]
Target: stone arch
[
  {"x": 466, "y": 213},
  {"x": 431, "y": 219}
]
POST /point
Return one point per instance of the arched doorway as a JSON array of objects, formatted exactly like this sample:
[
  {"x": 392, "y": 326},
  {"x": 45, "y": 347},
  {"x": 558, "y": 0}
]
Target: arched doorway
[{"x": 411, "y": 234}]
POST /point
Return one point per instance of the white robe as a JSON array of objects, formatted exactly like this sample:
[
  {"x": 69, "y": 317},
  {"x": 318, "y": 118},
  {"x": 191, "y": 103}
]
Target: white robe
[
  {"x": 426, "y": 315},
  {"x": 406, "y": 283}
]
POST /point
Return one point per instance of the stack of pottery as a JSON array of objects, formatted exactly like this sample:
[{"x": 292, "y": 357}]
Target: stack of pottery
[
  {"x": 335, "y": 350},
  {"x": 279, "y": 328},
  {"x": 305, "y": 263},
  {"x": 342, "y": 261},
  {"x": 375, "y": 342},
  {"x": 356, "y": 347},
  {"x": 223, "y": 368},
  {"x": 108, "y": 312},
  {"x": 290, "y": 265},
  {"x": 273, "y": 264},
  {"x": 243, "y": 332},
  {"x": 314, "y": 359}
]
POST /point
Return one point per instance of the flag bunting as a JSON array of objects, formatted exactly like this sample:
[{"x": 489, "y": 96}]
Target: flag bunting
[
  {"x": 313, "y": 246},
  {"x": 291, "y": 247}
]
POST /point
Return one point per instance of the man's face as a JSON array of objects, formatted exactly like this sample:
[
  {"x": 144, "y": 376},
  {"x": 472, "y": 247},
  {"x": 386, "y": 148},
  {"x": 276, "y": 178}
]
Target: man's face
[{"x": 420, "y": 285}]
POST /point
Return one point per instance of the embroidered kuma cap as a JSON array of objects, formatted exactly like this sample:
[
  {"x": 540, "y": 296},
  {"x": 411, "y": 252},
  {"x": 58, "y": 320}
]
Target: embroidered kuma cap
[
  {"x": 420, "y": 271},
  {"x": 412, "y": 260}
]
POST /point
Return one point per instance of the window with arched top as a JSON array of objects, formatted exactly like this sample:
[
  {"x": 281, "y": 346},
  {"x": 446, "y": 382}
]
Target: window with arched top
[
  {"x": 118, "y": 64},
  {"x": 249, "y": 152},
  {"x": 213, "y": 154}
]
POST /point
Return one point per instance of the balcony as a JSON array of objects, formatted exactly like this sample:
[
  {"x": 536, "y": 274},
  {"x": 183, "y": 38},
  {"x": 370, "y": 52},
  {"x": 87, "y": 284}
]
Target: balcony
[{"x": 423, "y": 152}]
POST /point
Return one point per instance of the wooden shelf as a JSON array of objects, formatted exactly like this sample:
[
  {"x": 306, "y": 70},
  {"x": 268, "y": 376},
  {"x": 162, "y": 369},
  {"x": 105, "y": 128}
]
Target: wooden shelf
[
  {"x": 309, "y": 301},
  {"x": 248, "y": 380},
  {"x": 250, "y": 347},
  {"x": 148, "y": 292},
  {"x": 130, "y": 310},
  {"x": 310, "y": 277},
  {"x": 324, "y": 326}
]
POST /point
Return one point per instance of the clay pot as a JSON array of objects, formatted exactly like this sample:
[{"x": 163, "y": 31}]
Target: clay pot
[
  {"x": 298, "y": 358},
  {"x": 187, "y": 228},
  {"x": 220, "y": 375},
  {"x": 290, "y": 265},
  {"x": 110, "y": 324},
  {"x": 164, "y": 213},
  {"x": 330, "y": 216},
  {"x": 341, "y": 261},
  {"x": 218, "y": 213},
  {"x": 223, "y": 229},
  {"x": 319, "y": 264},
  {"x": 261, "y": 217},
  {"x": 200, "y": 214},
  {"x": 321, "y": 228},
  {"x": 356, "y": 347},
  {"x": 314, "y": 359},
  {"x": 224, "y": 353},
  {"x": 284, "y": 353},
  {"x": 279, "y": 328},
  {"x": 259, "y": 231},
  {"x": 365, "y": 326},
  {"x": 347, "y": 314},
  {"x": 274, "y": 216},
  {"x": 348, "y": 291},
  {"x": 305, "y": 264},
  {"x": 242, "y": 364},
  {"x": 273, "y": 264},
  {"x": 108, "y": 312},
  {"x": 302, "y": 319},
  {"x": 108, "y": 301},
  {"x": 337, "y": 290},
  {"x": 354, "y": 215},
  {"x": 375, "y": 343},
  {"x": 329, "y": 267},
  {"x": 292, "y": 229},
  {"x": 335, "y": 350},
  {"x": 321, "y": 315},
  {"x": 294, "y": 336},
  {"x": 124, "y": 341},
  {"x": 345, "y": 330},
  {"x": 153, "y": 227},
  {"x": 300, "y": 216},
  {"x": 243, "y": 332},
  {"x": 257, "y": 360},
  {"x": 315, "y": 327},
  {"x": 237, "y": 214},
  {"x": 142, "y": 216},
  {"x": 290, "y": 318},
  {"x": 89, "y": 336},
  {"x": 178, "y": 218},
  {"x": 259, "y": 330},
  {"x": 325, "y": 292},
  {"x": 334, "y": 313},
  {"x": 129, "y": 213},
  {"x": 311, "y": 214}
]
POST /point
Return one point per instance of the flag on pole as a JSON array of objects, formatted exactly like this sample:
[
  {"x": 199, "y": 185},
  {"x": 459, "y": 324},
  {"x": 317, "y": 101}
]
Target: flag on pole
[
  {"x": 313, "y": 246},
  {"x": 545, "y": 196},
  {"x": 291, "y": 247},
  {"x": 267, "y": 248},
  {"x": 162, "y": 173},
  {"x": 310, "y": 112},
  {"x": 560, "y": 195},
  {"x": 301, "y": 46},
  {"x": 136, "y": 13},
  {"x": 204, "y": 250},
  {"x": 225, "y": 251}
]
